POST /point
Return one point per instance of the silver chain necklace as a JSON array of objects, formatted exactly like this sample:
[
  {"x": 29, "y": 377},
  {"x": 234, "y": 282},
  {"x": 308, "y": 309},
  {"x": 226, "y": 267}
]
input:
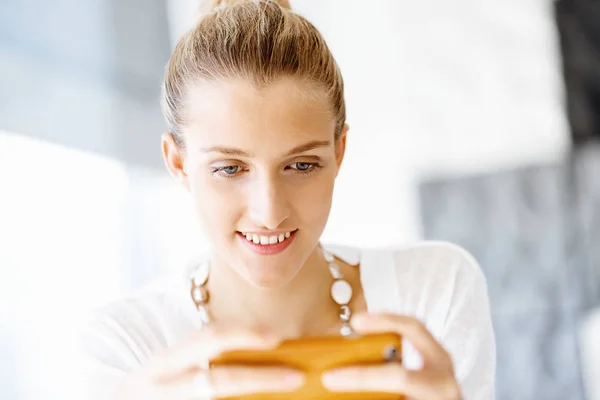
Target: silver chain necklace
[{"x": 341, "y": 292}]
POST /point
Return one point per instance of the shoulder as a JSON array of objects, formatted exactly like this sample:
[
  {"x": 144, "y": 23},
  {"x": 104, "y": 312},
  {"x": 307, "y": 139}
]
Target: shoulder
[
  {"x": 136, "y": 312},
  {"x": 123, "y": 333},
  {"x": 423, "y": 263},
  {"x": 415, "y": 270},
  {"x": 436, "y": 255},
  {"x": 430, "y": 280},
  {"x": 437, "y": 263},
  {"x": 117, "y": 335}
]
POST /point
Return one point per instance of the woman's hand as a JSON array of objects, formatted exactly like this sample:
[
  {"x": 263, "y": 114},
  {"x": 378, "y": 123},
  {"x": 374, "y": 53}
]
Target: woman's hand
[
  {"x": 181, "y": 373},
  {"x": 435, "y": 381}
]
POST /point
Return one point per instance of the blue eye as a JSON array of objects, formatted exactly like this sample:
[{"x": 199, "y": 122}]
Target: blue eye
[
  {"x": 303, "y": 166},
  {"x": 230, "y": 170}
]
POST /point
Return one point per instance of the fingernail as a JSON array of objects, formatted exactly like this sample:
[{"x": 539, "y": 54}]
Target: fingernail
[
  {"x": 269, "y": 336},
  {"x": 358, "y": 320},
  {"x": 331, "y": 379},
  {"x": 294, "y": 379}
]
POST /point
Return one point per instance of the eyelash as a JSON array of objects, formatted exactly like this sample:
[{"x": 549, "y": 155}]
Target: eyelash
[{"x": 313, "y": 167}]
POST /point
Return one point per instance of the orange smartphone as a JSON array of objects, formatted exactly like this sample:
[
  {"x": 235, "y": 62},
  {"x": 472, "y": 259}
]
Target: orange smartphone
[{"x": 314, "y": 356}]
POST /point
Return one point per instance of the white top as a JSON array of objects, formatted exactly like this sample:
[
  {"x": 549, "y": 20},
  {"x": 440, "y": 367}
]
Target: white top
[{"x": 439, "y": 283}]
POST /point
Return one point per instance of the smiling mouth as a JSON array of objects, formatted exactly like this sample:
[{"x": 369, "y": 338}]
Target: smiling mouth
[{"x": 266, "y": 240}]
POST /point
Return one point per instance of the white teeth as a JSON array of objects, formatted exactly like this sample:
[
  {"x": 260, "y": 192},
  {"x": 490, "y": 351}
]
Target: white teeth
[{"x": 266, "y": 240}]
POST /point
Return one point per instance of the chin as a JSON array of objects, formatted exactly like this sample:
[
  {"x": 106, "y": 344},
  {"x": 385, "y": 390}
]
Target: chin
[
  {"x": 269, "y": 275},
  {"x": 265, "y": 270}
]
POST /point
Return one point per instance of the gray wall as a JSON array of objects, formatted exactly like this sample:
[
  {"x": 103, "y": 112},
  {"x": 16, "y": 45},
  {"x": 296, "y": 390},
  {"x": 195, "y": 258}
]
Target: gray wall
[
  {"x": 85, "y": 74},
  {"x": 536, "y": 232}
]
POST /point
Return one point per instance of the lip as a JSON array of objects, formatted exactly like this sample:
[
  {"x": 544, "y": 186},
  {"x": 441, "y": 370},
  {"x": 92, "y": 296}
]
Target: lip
[
  {"x": 269, "y": 233},
  {"x": 267, "y": 249}
]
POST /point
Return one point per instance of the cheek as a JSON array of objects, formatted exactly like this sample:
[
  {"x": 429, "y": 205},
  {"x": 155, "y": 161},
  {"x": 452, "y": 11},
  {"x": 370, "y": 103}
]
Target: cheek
[
  {"x": 215, "y": 203},
  {"x": 312, "y": 199}
]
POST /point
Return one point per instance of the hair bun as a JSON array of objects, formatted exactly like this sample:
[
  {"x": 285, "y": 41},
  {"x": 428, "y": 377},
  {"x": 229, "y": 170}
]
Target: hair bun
[{"x": 210, "y": 5}]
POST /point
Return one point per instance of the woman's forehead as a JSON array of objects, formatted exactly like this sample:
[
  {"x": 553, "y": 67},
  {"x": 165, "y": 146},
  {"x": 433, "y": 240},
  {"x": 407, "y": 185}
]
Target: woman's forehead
[{"x": 237, "y": 112}]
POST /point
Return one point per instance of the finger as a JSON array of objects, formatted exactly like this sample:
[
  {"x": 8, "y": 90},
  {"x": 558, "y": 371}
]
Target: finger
[
  {"x": 207, "y": 344},
  {"x": 410, "y": 328},
  {"x": 230, "y": 381},
  {"x": 393, "y": 378},
  {"x": 235, "y": 381}
]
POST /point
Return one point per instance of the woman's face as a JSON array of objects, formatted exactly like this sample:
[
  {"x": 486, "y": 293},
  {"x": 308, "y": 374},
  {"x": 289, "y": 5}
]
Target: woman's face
[{"x": 261, "y": 166}]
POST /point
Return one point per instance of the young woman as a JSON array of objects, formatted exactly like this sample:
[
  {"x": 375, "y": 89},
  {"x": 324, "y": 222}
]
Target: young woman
[{"x": 255, "y": 105}]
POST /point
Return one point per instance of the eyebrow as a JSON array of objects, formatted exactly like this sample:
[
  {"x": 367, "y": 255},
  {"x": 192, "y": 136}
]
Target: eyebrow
[{"x": 315, "y": 144}]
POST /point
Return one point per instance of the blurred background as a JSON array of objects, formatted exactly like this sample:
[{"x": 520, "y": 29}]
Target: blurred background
[{"x": 474, "y": 121}]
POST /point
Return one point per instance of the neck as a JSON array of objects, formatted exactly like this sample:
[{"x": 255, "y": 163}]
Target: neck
[{"x": 304, "y": 307}]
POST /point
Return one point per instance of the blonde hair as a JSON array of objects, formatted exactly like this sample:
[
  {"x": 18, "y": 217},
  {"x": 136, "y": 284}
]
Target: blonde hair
[{"x": 258, "y": 40}]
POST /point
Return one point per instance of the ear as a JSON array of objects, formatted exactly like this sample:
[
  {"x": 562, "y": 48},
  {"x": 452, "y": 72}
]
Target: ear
[
  {"x": 174, "y": 158},
  {"x": 340, "y": 147}
]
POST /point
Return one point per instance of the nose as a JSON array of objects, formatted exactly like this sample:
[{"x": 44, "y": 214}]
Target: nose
[{"x": 268, "y": 204}]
